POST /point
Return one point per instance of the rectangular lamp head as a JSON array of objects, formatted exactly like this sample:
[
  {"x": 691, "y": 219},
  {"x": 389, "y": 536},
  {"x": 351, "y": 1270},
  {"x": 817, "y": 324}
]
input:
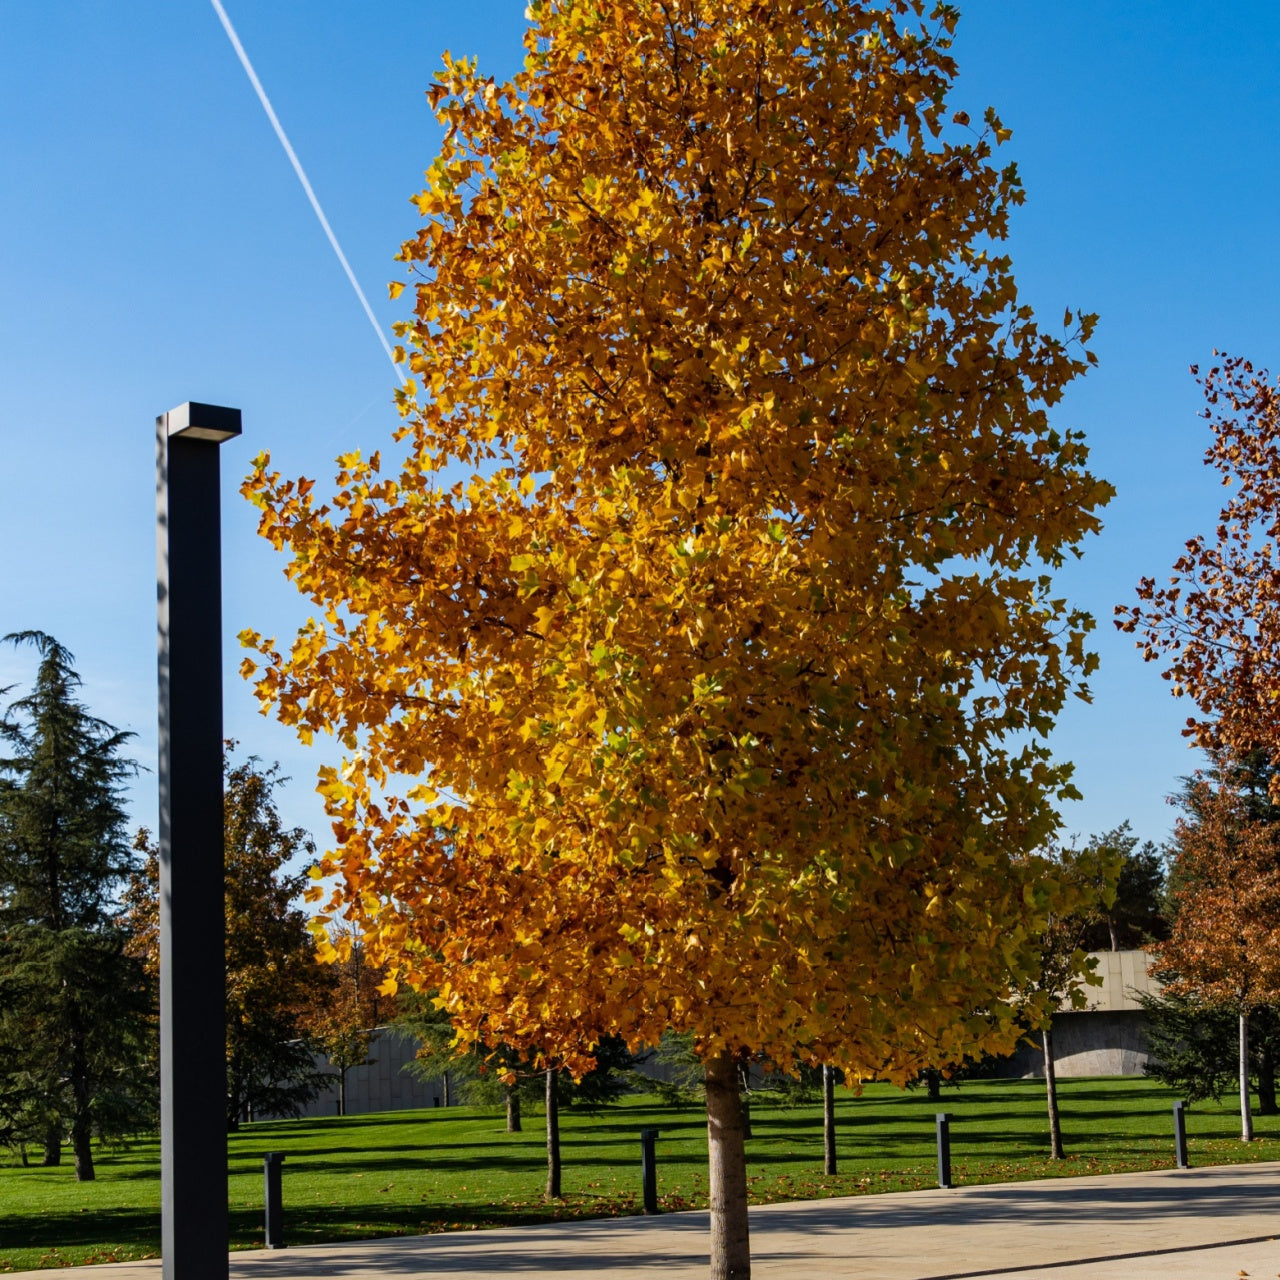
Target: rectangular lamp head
[{"x": 195, "y": 421}]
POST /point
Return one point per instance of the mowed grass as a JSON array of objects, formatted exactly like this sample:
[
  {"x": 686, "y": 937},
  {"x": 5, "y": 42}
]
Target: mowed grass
[{"x": 404, "y": 1173}]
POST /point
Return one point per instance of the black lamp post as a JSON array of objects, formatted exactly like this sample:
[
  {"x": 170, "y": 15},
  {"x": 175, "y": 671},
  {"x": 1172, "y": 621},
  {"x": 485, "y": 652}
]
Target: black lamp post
[{"x": 193, "y": 1085}]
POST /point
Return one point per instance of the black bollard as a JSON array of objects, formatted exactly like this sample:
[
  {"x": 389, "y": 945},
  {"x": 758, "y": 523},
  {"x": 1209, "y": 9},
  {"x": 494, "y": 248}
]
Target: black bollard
[
  {"x": 944, "y": 1149},
  {"x": 649, "y": 1168},
  {"x": 1180, "y": 1134},
  {"x": 271, "y": 1163}
]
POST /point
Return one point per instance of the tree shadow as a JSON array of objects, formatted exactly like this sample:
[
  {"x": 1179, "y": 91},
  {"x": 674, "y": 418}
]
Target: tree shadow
[{"x": 72, "y": 1228}]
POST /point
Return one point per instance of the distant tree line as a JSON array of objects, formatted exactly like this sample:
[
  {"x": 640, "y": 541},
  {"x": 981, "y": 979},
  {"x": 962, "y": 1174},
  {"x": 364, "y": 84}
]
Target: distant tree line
[
  {"x": 79, "y": 954},
  {"x": 79, "y": 961}
]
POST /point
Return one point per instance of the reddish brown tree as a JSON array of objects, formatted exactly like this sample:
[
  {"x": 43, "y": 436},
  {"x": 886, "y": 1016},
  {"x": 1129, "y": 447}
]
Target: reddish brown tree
[
  {"x": 1225, "y": 944},
  {"x": 1217, "y": 623}
]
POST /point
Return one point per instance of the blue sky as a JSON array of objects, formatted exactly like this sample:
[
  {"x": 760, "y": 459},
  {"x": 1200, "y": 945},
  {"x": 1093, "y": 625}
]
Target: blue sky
[{"x": 155, "y": 247}]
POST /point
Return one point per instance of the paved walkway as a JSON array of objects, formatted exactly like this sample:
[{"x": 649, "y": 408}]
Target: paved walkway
[{"x": 1200, "y": 1224}]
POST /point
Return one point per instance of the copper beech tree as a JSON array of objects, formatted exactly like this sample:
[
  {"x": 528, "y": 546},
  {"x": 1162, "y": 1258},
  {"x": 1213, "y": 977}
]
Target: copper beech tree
[
  {"x": 692, "y": 662},
  {"x": 1217, "y": 623}
]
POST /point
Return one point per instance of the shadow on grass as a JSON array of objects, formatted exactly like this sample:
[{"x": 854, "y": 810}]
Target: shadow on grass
[
  {"x": 105, "y": 1229},
  {"x": 368, "y": 1120},
  {"x": 435, "y": 1116},
  {"x": 66, "y": 1229},
  {"x": 319, "y": 1224},
  {"x": 525, "y": 1164}
]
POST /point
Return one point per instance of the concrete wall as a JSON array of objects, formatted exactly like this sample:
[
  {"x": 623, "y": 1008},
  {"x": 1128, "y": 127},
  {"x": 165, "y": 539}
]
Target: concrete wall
[
  {"x": 1124, "y": 978},
  {"x": 381, "y": 1085},
  {"x": 1106, "y": 1038},
  {"x": 1088, "y": 1044}
]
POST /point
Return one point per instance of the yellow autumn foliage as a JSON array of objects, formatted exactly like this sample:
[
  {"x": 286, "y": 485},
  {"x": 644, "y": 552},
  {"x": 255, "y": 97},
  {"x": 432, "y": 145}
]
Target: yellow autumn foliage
[{"x": 694, "y": 661}]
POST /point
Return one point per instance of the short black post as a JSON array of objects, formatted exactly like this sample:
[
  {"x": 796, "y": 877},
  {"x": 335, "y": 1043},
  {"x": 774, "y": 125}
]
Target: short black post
[
  {"x": 271, "y": 1163},
  {"x": 649, "y": 1168},
  {"x": 828, "y": 1121},
  {"x": 944, "y": 1149},
  {"x": 1180, "y": 1134}
]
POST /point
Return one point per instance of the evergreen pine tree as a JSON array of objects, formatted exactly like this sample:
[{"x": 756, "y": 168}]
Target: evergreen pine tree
[
  {"x": 73, "y": 1003},
  {"x": 1136, "y": 917},
  {"x": 1195, "y": 1047}
]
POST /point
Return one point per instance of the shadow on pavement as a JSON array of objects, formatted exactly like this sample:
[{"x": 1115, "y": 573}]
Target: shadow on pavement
[
  {"x": 1023, "y": 1268},
  {"x": 603, "y": 1244}
]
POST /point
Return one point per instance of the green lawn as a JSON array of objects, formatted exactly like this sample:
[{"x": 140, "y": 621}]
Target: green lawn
[{"x": 408, "y": 1172}]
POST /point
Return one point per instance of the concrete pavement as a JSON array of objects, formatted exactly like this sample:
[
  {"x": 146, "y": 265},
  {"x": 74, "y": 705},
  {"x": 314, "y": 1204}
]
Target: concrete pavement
[{"x": 1199, "y": 1224}]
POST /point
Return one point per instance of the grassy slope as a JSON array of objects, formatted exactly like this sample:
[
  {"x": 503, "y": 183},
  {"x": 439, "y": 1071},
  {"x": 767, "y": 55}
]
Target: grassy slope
[{"x": 409, "y": 1172}]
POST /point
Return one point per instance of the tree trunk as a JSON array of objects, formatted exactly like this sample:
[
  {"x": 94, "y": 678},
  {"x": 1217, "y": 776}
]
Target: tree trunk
[
  {"x": 727, "y": 1172},
  {"x": 1246, "y": 1118},
  {"x": 1266, "y": 1081},
  {"x": 445, "y": 1081},
  {"x": 513, "y": 1111},
  {"x": 52, "y": 1147},
  {"x": 81, "y": 1099},
  {"x": 553, "y": 1138},
  {"x": 235, "y": 1094},
  {"x": 342, "y": 1091},
  {"x": 82, "y": 1146},
  {"x": 1115, "y": 938},
  {"x": 81, "y": 1125},
  {"x": 1051, "y": 1093},
  {"x": 829, "y": 1121},
  {"x": 933, "y": 1084}
]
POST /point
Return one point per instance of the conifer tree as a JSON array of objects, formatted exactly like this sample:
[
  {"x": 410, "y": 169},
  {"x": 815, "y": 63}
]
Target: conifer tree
[
  {"x": 1195, "y": 1046},
  {"x": 73, "y": 1003},
  {"x": 1136, "y": 917}
]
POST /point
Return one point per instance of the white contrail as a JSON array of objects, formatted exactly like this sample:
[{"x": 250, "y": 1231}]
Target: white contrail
[{"x": 302, "y": 178}]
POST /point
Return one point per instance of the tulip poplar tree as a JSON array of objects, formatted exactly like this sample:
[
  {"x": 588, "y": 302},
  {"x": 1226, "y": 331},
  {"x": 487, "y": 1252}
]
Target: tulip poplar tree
[{"x": 692, "y": 665}]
